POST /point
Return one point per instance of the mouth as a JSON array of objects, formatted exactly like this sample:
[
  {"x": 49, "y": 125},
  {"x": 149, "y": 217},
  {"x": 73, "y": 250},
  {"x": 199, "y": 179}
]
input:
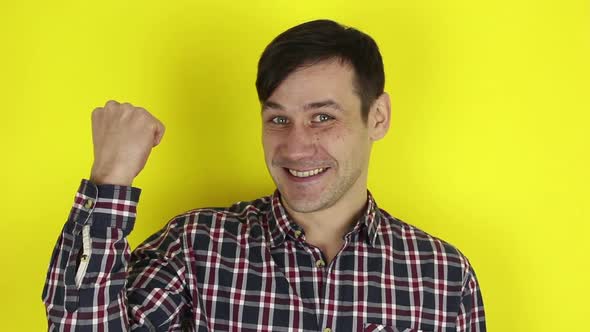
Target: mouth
[{"x": 305, "y": 175}]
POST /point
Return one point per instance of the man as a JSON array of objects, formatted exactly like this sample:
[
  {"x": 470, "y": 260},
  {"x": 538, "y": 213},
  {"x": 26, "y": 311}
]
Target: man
[{"x": 316, "y": 255}]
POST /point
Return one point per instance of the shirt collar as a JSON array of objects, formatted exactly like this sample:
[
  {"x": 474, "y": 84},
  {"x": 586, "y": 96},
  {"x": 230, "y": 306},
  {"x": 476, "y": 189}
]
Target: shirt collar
[{"x": 281, "y": 226}]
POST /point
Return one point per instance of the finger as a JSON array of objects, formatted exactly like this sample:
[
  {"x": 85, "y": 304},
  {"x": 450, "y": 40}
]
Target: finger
[
  {"x": 161, "y": 127},
  {"x": 159, "y": 134},
  {"x": 126, "y": 105},
  {"x": 95, "y": 119},
  {"x": 95, "y": 114},
  {"x": 111, "y": 103}
]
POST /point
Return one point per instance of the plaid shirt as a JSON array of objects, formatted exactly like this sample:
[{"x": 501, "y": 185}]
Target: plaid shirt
[{"x": 249, "y": 268}]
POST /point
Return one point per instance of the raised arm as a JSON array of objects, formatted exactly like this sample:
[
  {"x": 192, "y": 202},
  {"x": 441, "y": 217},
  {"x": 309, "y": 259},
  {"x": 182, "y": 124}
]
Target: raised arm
[
  {"x": 86, "y": 281},
  {"x": 85, "y": 285}
]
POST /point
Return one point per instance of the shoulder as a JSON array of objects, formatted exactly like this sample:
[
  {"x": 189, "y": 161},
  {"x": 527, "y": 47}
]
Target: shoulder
[
  {"x": 231, "y": 218},
  {"x": 202, "y": 228},
  {"x": 422, "y": 247}
]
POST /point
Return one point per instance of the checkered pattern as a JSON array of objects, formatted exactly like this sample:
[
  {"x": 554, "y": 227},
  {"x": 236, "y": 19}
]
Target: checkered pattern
[{"x": 249, "y": 268}]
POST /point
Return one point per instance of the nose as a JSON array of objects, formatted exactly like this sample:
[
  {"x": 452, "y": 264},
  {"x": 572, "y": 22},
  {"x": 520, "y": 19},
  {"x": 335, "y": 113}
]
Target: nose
[{"x": 299, "y": 143}]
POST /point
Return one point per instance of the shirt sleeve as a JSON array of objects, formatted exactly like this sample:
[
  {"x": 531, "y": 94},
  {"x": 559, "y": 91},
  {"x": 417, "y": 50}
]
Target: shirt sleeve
[
  {"x": 471, "y": 316},
  {"x": 159, "y": 272},
  {"x": 86, "y": 280}
]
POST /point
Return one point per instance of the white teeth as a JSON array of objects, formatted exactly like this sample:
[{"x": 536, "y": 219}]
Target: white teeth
[{"x": 306, "y": 173}]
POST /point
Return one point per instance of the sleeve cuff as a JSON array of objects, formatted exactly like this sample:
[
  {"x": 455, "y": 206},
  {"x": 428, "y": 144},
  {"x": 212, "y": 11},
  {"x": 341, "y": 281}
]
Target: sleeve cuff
[{"x": 107, "y": 205}]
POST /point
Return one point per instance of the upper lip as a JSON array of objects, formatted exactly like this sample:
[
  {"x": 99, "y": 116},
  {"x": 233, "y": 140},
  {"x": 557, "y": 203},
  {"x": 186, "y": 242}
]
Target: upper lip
[{"x": 306, "y": 170}]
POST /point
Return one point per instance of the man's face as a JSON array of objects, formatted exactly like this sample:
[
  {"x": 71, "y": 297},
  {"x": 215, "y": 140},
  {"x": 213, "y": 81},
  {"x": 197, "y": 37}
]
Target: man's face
[{"x": 315, "y": 141}]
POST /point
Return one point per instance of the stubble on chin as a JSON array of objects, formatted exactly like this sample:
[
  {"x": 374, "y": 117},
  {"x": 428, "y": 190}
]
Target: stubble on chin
[{"x": 309, "y": 203}]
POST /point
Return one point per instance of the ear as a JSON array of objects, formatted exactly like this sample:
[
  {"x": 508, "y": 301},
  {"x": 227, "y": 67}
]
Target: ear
[{"x": 379, "y": 117}]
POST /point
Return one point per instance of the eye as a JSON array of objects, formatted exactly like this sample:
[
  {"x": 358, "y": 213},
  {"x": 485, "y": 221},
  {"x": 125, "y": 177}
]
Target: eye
[
  {"x": 322, "y": 118},
  {"x": 279, "y": 120}
]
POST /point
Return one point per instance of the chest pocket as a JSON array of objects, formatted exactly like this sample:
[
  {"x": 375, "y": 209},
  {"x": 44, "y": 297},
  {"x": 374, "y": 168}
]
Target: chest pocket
[{"x": 374, "y": 327}]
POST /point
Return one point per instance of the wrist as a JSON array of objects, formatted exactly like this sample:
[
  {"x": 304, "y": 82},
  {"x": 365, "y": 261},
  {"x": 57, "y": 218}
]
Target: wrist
[{"x": 110, "y": 179}]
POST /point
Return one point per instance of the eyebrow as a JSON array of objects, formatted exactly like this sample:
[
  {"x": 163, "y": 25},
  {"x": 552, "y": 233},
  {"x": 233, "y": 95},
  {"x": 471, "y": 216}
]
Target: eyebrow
[{"x": 313, "y": 105}]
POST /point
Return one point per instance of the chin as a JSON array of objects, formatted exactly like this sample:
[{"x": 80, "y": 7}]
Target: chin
[
  {"x": 305, "y": 203},
  {"x": 309, "y": 194}
]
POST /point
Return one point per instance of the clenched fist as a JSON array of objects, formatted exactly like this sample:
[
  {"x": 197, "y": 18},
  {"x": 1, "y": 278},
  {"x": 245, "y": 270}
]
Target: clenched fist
[{"x": 123, "y": 137}]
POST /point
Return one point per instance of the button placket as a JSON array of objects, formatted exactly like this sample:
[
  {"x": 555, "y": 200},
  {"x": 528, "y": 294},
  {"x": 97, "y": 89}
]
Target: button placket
[{"x": 320, "y": 263}]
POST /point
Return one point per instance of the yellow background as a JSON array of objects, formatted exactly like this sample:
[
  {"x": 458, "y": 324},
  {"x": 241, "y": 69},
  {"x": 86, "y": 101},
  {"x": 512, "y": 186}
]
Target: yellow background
[{"x": 488, "y": 147}]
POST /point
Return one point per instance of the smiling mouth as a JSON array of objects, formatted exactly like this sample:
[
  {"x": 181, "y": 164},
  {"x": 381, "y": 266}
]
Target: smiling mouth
[{"x": 306, "y": 174}]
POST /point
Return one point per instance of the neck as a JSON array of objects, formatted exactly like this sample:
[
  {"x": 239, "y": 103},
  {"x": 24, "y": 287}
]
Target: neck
[
  {"x": 327, "y": 227},
  {"x": 337, "y": 219}
]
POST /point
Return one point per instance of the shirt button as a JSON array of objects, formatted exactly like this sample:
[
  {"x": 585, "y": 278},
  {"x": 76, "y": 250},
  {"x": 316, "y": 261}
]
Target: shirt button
[
  {"x": 320, "y": 263},
  {"x": 327, "y": 329},
  {"x": 89, "y": 203},
  {"x": 297, "y": 233}
]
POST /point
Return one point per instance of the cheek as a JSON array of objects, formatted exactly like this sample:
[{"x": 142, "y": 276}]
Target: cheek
[
  {"x": 269, "y": 145},
  {"x": 271, "y": 139},
  {"x": 345, "y": 146},
  {"x": 267, "y": 148},
  {"x": 334, "y": 139},
  {"x": 333, "y": 147},
  {"x": 266, "y": 138}
]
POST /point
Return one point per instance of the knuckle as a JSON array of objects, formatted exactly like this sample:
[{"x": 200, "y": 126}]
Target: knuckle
[
  {"x": 96, "y": 112},
  {"x": 144, "y": 115},
  {"x": 111, "y": 103}
]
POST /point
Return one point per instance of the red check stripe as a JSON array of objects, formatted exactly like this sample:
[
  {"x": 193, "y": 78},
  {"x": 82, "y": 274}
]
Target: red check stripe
[{"x": 244, "y": 268}]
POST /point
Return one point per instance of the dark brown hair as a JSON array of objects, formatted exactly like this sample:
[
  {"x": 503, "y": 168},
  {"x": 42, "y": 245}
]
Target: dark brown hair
[{"x": 319, "y": 40}]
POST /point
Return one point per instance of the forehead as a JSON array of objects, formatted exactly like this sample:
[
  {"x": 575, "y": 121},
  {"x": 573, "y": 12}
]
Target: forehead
[{"x": 330, "y": 79}]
